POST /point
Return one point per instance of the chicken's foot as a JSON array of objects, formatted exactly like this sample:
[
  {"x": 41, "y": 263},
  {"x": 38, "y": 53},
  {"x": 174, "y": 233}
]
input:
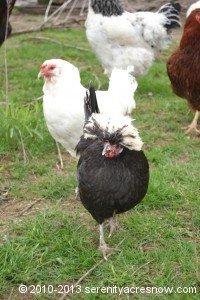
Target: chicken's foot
[
  {"x": 103, "y": 246},
  {"x": 193, "y": 125}
]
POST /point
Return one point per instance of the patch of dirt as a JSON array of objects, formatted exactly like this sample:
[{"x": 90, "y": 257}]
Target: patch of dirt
[
  {"x": 19, "y": 22},
  {"x": 15, "y": 210}
]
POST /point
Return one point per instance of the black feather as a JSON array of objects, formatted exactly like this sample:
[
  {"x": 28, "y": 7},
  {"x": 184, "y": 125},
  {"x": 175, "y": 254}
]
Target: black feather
[
  {"x": 111, "y": 185},
  {"x": 171, "y": 11},
  {"x": 107, "y": 7},
  {"x": 177, "y": 6},
  {"x": 173, "y": 6},
  {"x": 90, "y": 102}
]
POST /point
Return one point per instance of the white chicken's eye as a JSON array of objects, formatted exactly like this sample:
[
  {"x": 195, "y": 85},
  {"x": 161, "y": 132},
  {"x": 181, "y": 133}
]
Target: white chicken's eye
[{"x": 52, "y": 68}]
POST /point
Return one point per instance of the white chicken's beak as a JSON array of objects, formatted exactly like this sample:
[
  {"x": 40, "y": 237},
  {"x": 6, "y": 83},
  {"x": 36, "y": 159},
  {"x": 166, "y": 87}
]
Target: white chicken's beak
[{"x": 40, "y": 74}]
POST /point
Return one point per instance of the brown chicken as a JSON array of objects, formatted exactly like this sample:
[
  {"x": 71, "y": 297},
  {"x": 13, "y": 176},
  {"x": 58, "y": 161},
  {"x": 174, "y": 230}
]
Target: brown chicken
[{"x": 183, "y": 67}]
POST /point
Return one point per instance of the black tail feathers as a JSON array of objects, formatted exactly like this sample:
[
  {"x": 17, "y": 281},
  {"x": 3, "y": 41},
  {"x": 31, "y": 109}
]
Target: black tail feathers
[
  {"x": 177, "y": 6},
  {"x": 171, "y": 11},
  {"x": 90, "y": 102}
]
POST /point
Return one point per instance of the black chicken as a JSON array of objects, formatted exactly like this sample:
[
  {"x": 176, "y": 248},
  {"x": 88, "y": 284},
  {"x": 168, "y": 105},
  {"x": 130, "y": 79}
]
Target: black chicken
[
  {"x": 112, "y": 172},
  {"x": 5, "y": 11}
]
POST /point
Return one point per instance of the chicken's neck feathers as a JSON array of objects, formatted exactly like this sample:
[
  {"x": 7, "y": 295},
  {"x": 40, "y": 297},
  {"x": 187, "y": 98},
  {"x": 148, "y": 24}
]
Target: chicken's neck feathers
[{"x": 64, "y": 88}]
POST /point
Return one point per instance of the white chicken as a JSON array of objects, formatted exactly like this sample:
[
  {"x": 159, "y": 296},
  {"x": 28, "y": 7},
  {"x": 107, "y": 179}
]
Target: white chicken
[
  {"x": 120, "y": 38},
  {"x": 64, "y": 94}
]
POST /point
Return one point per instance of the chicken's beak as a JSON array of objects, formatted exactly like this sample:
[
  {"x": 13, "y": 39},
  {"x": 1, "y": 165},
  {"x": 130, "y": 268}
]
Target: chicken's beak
[
  {"x": 40, "y": 74},
  {"x": 106, "y": 148}
]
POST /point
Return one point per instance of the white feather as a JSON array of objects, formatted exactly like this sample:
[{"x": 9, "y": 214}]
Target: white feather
[
  {"x": 111, "y": 124},
  {"x": 192, "y": 7},
  {"x": 63, "y": 103}
]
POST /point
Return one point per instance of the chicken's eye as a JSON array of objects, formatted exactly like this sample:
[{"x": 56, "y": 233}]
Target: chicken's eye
[{"x": 52, "y": 68}]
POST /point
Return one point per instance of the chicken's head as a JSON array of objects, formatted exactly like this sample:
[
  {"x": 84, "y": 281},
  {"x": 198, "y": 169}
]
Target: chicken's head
[
  {"x": 114, "y": 132},
  {"x": 49, "y": 69},
  {"x": 110, "y": 150},
  {"x": 59, "y": 70}
]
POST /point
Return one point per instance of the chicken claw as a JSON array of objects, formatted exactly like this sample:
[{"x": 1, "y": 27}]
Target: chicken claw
[
  {"x": 193, "y": 125},
  {"x": 105, "y": 249}
]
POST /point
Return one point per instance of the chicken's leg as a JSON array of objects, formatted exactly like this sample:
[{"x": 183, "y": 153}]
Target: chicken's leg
[
  {"x": 60, "y": 157},
  {"x": 103, "y": 246},
  {"x": 193, "y": 125},
  {"x": 113, "y": 224}
]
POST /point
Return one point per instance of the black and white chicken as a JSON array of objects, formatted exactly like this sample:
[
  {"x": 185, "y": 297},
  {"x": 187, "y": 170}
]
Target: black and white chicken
[
  {"x": 120, "y": 38},
  {"x": 63, "y": 97},
  {"x": 5, "y": 11},
  {"x": 112, "y": 171}
]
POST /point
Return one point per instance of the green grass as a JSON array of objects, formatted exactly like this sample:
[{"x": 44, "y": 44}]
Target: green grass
[{"x": 55, "y": 242}]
